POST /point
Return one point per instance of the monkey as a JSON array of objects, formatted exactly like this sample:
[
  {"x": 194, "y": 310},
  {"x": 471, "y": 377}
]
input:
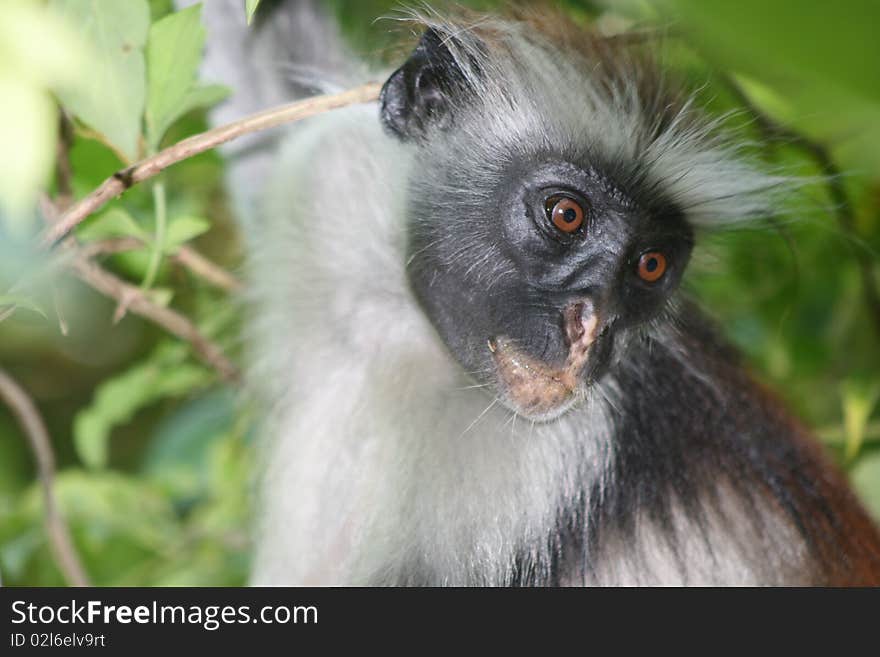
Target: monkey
[{"x": 468, "y": 335}]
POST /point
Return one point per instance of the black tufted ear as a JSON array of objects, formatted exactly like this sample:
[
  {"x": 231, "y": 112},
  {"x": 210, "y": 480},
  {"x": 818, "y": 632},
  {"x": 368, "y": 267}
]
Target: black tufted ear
[{"x": 419, "y": 94}]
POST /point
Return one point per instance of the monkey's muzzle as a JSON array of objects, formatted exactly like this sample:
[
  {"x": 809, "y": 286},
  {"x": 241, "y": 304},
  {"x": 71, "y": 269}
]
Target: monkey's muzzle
[{"x": 536, "y": 389}]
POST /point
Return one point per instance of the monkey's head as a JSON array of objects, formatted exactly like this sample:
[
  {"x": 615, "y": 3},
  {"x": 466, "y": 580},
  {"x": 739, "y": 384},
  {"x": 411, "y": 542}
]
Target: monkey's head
[{"x": 553, "y": 201}]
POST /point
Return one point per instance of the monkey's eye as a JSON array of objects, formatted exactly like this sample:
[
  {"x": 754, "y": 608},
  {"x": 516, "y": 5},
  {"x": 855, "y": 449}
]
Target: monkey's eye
[
  {"x": 651, "y": 266},
  {"x": 565, "y": 213}
]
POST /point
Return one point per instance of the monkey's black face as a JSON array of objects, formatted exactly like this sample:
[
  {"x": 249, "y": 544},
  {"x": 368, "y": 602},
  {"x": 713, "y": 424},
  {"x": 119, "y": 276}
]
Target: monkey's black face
[
  {"x": 536, "y": 283},
  {"x": 537, "y": 262}
]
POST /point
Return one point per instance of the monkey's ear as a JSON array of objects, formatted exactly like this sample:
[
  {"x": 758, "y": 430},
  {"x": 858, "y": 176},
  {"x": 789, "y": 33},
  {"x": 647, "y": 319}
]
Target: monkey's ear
[{"x": 419, "y": 94}]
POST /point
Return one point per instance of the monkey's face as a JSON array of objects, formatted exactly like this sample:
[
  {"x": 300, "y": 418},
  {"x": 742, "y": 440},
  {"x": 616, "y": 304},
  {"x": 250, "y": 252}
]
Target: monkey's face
[
  {"x": 536, "y": 259},
  {"x": 538, "y": 275}
]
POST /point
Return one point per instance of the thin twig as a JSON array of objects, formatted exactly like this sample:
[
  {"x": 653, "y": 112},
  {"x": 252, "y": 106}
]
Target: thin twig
[
  {"x": 134, "y": 299},
  {"x": 186, "y": 256},
  {"x": 122, "y": 180},
  {"x": 130, "y": 297},
  {"x": 63, "y": 169},
  {"x": 846, "y": 217},
  {"x": 209, "y": 271},
  {"x": 34, "y": 428},
  {"x": 110, "y": 246}
]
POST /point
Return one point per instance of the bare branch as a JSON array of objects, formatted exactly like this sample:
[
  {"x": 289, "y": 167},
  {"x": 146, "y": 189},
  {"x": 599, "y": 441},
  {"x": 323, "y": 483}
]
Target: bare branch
[
  {"x": 122, "y": 180},
  {"x": 109, "y": 246},
  {"x": 34, "y": 428},
  {"x": 134, "y": 299},
  {"x": 188, "y": 257},
  {"x": 209, "y": 271}
]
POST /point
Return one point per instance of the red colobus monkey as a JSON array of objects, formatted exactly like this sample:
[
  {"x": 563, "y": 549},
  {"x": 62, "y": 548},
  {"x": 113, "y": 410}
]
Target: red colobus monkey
[{"x": 467, "y": 331}]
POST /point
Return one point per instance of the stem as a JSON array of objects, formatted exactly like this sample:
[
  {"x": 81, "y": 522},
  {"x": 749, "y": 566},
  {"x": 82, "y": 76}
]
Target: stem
[
  {"x": 159, "y": 237},
  {"x": 34, "y": 428},
  {"x": 152, "y": 166},
  {"x": 133, "y": 298},
  {"x": 186, "y": 256}
]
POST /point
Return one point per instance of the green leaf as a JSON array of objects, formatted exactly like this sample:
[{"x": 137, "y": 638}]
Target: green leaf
[
  {"x": 859, "y": 402},
  {"x": 183, "y": 229},
  {"x": 111, "y": 100},
  {"x": 816, "y": 57},
  {"x": 21, "y": 302},
  {"x": 27, "y": 132},
  {"x": 203, "y": 96},
  {"x": 178, "y": 455},
  {"x": 120, "y": 525},
  {"x": 162, "y": 374},
  {"x": 174, "y": 51},
  {"x": 865, "y": 477},
  {"x": 39, "y": 53},
  {"x": 115, "y": 222},
  {"x": 161, "y": 296},
  {"x": 250, "y": 6}
]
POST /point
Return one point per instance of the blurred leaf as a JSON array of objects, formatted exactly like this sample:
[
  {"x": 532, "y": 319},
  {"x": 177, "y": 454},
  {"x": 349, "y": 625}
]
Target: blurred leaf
[
  {"x": 28, "y": 130},
  {"x": 16, "y": 461},
  {"x": 115, "y": 222},
  {"x": 174, "y": 51},
  {"x": 159, "y": 8},
  {"x": 821, "y": 57},
  {"x": 111, "y": 101},
  {"x": 178, "y": 455},
  {"x": 859, "y": 401},
  {"x": 162, "y": 374},
  {"x": 865, "y": 476},
  {"x": 21, "y": 537},
  {"x": 183, "y": 229},
  {"x": 21, "y": 302},
  {"x": 184, "y": 437},
  {"x": 202, "y": 96},
  {"x": 160, "y": 295},
  {"x": 119, "y": 524},
  {"x": 812, "y": 39},
  {"x": 250, "y": 7},
  {"x": 766, "y": 99},
  {"x": 39, "y": 52}
]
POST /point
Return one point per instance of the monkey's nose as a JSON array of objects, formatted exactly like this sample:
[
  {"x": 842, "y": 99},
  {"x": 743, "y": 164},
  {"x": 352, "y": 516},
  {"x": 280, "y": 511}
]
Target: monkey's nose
[
  {"x": 535, "y": 388},
  {"x": 581, "y": 323}
]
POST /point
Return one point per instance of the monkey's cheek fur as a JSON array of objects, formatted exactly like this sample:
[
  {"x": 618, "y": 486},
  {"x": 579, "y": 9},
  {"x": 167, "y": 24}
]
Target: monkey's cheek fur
[{"x": 535, "y": 389}]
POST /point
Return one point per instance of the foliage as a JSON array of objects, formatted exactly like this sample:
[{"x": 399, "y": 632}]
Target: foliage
[{"x": 154, "y": 450}]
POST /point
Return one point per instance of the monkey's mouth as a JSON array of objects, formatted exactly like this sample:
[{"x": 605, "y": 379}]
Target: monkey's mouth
[{"x": 536, "y": 389}]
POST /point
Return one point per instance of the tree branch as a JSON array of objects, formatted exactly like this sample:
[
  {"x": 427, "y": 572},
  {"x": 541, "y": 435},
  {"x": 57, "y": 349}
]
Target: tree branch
[
  {"x": 198, "y": 264},
  {"x": 209, "y": 271},
  {"x": 134, "y": 299},
  {"x": 35, "y": 429},
  {"x": 122, "y": 180}
]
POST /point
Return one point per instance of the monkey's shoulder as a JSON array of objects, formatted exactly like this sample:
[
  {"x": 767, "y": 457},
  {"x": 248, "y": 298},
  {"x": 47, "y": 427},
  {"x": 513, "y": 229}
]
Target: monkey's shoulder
[{"x": 704, "y": 449}]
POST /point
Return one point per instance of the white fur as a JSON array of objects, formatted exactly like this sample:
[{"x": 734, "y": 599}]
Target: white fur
[
  {"x": 383, "y": 460},
  {"x": 380, "y": 439},
  {"x": 383, "y": 455},
  {"x": 736, "y": 545}
]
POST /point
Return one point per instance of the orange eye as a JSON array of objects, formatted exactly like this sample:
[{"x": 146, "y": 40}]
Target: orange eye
[
  {"x": 565, "y": 213},
  {"x": 652, "y": 266}
]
